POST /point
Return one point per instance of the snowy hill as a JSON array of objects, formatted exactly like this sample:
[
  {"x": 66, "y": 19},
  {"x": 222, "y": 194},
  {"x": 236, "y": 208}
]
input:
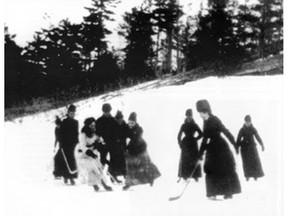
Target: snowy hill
[{"x": 31, "y": 190}]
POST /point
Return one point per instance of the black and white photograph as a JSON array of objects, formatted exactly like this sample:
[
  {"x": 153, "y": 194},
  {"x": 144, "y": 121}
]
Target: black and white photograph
[{"x": 144, "y": 108}]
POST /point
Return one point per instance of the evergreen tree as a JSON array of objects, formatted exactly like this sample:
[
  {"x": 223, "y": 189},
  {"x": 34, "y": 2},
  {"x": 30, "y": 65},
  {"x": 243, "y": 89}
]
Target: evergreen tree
[
  {"x": 94, "y": 30},
  {"x": 51, "y": 53},
  {"x": 13, "y": 65},
  {"x": 216, "y": 41},
  {"x": 138, "y": 31},
  {"x": 166, "y": 15},
  {"x": 270, "y": 26}
]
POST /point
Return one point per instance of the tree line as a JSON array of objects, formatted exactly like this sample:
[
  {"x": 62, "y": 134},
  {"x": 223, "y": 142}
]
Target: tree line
[{"x": 74, "y": 58}]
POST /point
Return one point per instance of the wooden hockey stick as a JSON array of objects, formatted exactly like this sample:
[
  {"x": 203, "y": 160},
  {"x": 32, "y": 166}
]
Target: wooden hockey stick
[{"x": 187, "y": 183}]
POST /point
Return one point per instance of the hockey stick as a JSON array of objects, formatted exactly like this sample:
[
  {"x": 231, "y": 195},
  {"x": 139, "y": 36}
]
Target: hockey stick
[{"x": 187, "y": 183}]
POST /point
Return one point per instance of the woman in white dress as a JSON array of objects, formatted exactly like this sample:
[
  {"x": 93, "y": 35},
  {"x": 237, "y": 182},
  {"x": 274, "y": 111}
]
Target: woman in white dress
[{"x": 88, "y": 158}]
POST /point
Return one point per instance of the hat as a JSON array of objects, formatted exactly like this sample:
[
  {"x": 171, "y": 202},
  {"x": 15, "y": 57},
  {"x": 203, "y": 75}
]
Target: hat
[
  {"x": 248, "y": 118},
  {"x": 89, "y": 121},
  {"x": 72, "y": 108},
  {"x": 106, "y": 108},
  {"x": 189, "y": 112},
  {"x": 133, "y": 117},
  {"x": 119, "y": 115},
  {"x": 203, "y": 106}
]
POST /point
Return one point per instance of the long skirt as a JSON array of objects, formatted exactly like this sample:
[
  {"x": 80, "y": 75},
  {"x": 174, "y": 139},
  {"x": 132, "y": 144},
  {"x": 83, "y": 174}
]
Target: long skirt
[
  {"x": 221, "y": 177},
  {"x": 91, "y": 171},
  {"x": 117, "y": 165},
  {"x": 65, "y": 164},
  {"x": 251, "y": 161},
  {"x": 140, "y": 169},
  {"x": 188, "y": 160}
]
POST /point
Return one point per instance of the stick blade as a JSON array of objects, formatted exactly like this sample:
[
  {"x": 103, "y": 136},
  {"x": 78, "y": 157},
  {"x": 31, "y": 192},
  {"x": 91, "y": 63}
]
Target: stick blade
[{"x": 174, "y": 198}]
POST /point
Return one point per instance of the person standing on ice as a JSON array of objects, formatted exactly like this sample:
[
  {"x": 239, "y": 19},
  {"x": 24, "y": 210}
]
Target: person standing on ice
[
  {"x": 90, "y": 168},
  {"x": 245, "y": 141},
  {"x": 140, "y": 169},
  {"x": 105, "y": 128},
  {"x": 118, "y": 162},
  {"x": 219, "y": 166},
  {"x": 189, "y": 148},
  {"x": 68, "y": 139}
]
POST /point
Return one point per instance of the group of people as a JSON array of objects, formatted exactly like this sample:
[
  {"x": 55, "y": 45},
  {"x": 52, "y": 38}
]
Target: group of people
[
  {"x": 219, "y": 165},
  {"x": 109, "y": 147}
]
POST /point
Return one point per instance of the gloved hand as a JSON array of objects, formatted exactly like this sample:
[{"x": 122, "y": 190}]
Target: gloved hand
[{"x": 263, "y": 148}]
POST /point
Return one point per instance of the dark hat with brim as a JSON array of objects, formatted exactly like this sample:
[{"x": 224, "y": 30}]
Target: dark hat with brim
[{"x": 203, "y": 106}]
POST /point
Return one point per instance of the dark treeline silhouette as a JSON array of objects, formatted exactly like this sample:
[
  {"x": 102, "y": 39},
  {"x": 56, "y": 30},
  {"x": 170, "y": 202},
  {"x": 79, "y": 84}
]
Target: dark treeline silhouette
[{"x": 74, "y": 59}]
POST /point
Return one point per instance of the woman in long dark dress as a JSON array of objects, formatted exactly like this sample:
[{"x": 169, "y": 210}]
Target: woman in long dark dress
[
  {"x": 68, "y": 139},
  {"x": 219, "y": 166},
  {"x": 189, "y": 148},
  {"x": 245, "y": 141},
  {"x": 140, "y": 169},
  {"x": 57, "y": 162},
  {"x": 117, "y": 161}
]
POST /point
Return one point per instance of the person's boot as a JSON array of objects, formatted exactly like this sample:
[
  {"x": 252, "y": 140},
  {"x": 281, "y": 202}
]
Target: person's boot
[
  {"x": 106, "y": 187},
  {"x": 72, "y": 181},
  {"x": 228, "y": 196},
  {"x": 65, "y": 180},
  {"x": 126, "y": 187},
  {"x": 96, "y": 187}
]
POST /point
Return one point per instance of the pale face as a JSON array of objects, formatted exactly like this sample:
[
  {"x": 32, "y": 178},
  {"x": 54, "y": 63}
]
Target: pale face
[
  {"x": 204, "y": 115},
  {"x": 71, "y": 114},
  {"x": 131, "y": 123},
  {"x": 247, "y": 123},
  {"x": 93, "y": 126},
  {"x": 188, "y": 118}
]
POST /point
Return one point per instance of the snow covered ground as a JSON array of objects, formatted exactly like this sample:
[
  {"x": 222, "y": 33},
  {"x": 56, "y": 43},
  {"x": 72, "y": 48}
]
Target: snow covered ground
[{"x": 31, "y": 190}]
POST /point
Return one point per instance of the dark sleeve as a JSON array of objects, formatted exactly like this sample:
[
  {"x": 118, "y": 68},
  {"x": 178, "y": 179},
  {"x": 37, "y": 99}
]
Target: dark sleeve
[
  {"x": 258, "y": 138},
  {"x": 200, "y": 134},
  {"x": 239, "y": 138},
  {"x": 139, "y": 132},
  {"x": 77, "y": 132},
  {"x": 227, "y": 133},
  {"x": 180, "y": 134},
  {"x": 203, "y": 146},
  {"x": 90, "y": 153}
]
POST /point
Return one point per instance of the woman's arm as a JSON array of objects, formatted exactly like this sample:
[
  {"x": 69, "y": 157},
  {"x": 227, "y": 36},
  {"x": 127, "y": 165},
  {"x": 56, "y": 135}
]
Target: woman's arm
[
  {"x": 180, "y": 135},
  {"x": 200, "y": 134}
]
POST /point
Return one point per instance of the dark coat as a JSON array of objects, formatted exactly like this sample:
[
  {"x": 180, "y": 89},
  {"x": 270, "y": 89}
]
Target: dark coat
[
  {"x": 219, "y": 166},
  {"x": 105, "y": 128},
  {"x": 117, "y": 161},
  {"x": 140, "y": 168},
  {"x": 251, "y": 161},
  {"x": 189, "y": 149},
  {"x": 137, "y": 144},
  {"x": 65, "y": 158}
]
